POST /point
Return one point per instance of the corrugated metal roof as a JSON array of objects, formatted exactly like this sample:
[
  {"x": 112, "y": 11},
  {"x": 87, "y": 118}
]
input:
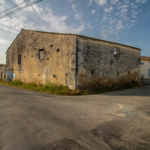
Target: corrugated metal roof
[{"x": 75, "y": 35}]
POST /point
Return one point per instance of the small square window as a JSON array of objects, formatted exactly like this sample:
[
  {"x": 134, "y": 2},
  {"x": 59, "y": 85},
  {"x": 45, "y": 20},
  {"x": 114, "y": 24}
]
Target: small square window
[
  {"x": 142, "y": 63},
  {"x": 19, "y": 59},
  {"x": 41, "y": 54}
]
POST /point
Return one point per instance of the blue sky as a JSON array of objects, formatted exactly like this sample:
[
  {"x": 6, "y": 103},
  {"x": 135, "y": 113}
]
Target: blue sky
[{"x": 120, "y": 21}]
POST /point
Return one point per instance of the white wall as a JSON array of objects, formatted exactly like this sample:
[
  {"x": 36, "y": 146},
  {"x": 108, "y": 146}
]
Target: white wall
[{"x": 145, "y": 68}]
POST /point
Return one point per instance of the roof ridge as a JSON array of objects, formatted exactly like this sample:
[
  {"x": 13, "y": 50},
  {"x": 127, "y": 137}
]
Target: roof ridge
[
  {"x": 83, "y": 36},
  {"x": 75, "y": 35}
]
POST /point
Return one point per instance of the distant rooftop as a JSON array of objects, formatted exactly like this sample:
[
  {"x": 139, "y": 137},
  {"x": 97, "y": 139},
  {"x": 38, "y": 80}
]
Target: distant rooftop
[
  {"x": 145, "y": 58},
  {"x": 2, "y": 65}
]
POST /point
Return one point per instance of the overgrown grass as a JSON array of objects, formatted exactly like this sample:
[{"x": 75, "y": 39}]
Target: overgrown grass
[
  {"x": 49, "y": 88},
  {"x": 62, "y": 90}
]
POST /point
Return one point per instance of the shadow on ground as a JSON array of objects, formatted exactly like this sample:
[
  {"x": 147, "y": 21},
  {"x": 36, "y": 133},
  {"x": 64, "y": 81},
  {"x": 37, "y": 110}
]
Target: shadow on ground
[
  {"x": 119, "y": 134},
  {"x": 138, "y": 91}
]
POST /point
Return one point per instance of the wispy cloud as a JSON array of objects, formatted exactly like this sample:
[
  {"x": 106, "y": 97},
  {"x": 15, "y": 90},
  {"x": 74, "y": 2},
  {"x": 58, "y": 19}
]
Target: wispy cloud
[
  {"x": 114, "y": 1},
  {"x": 119, "y": 25},
  {"x": 4, "y": 42},
  {"x": 77, "y": 14},
  {"x": 141, "y": 1},
  {"x": 123, "y": 10},
  {"x": 90, "y": 2},
  {"x": 93, "y": 12},
  {"x": 50, "y": 22},
  {"x": 2, "y": 2},
  {"x": 78, "y": 17},
  {"x": 108, "y": 9},
  {"x": 101, "y": 2}
]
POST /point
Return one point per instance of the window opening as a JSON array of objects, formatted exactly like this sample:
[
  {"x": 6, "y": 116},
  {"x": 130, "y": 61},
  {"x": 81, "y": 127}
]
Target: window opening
[
  {"x": 41, "y": 54},
  {"x": 115, "y": 52},
  {"x": 19, "y": 59}
]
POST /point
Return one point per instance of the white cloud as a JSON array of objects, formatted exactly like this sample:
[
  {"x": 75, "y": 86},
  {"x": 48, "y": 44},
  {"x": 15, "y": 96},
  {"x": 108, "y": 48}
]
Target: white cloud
[
  {"x": 50, "y": 22},
  {"x": 78, "y": 17},
  {"x": 133, "y": 5},
  {"x": 8, "y": 29},
  {"x": 3, "y": 42},
  {"x": 104, "y": 18},
  {"x": 114, "y": 1},
  {"x": 133, "y": 21},
  {"x": 119, "y": 25},
  {"x": 2, "y": 2},
  {"x": 101, "y": 2},
  {"x": 56, "y": 23},
  {"x": 89, "y": 26},
  {"x": 108, "y": 9},
  {"x": 123, "y": 10},
  {"x": 135, "y": 12},
  {"x": 104, "y": 35},
  {"x": 93, "y": 12},
  {"x": 141, "y": 1},
  {"x": 77, "y": 14},
  {"x": 90, "y": 2}
]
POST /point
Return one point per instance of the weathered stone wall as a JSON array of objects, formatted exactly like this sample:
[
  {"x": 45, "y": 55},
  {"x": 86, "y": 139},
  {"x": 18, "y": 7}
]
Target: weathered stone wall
[
  {"x": 57, "y": 65},
  {"x": 97, "y": 65},
  {"x": 3, "y": 73},
  {"x": 145, "y": 69}
]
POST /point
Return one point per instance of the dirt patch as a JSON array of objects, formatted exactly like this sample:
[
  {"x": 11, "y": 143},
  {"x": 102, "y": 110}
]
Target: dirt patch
[{"x": 119, "y": 135}]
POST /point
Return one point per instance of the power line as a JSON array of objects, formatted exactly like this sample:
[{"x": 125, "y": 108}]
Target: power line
[
  {"x": 12, "y": 7},
  {"x": 20, "y": 8},
  {"x": 139, "y": 39}
]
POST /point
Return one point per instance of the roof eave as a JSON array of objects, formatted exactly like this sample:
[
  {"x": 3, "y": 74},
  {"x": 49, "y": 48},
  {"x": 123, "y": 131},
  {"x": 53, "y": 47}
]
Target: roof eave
[{"x": 13, "y": 41}]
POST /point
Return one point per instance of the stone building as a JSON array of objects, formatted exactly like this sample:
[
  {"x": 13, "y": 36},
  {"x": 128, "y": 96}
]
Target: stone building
[
  {"x": 2, "y": 72},
  {"x": 145, "y": 67},
  {"x": 71, "y": 60}
]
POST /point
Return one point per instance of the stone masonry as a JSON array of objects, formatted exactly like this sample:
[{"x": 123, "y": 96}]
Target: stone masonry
[
  {"x": 71, "y": 60},
  {"x": 2, "y": 72}
]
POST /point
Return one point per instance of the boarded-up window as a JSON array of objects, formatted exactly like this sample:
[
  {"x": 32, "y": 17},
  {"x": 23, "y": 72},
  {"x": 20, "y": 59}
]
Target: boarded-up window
[
  {"x": 19, "y": 59},
  {"x": 41, "y": 54}
]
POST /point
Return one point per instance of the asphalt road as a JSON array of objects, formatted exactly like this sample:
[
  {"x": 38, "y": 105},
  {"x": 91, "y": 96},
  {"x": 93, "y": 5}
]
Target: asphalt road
[{"x": 110, "y": 121}]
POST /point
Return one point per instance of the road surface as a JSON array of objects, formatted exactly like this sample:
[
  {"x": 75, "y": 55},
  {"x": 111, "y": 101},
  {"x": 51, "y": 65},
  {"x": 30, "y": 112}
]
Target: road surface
[{"x": 117, "y": 120}]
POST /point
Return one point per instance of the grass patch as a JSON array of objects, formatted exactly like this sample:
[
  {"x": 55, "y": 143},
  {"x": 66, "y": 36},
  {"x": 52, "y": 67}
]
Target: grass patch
[{"x": 63, "y": 90}]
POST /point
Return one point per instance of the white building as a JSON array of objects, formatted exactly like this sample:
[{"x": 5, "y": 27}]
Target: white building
[{"x": 145, "y": 67}]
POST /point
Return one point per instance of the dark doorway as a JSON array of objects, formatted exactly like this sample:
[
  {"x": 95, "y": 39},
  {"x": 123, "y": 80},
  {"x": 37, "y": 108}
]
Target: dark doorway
[
  {"x": 1, "y": 75},
  {"x": 9, "y": 75}
]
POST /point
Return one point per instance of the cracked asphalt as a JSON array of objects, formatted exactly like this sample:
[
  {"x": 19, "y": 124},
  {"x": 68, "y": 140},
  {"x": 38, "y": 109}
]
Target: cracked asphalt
[{"x": 117, "y": 120}]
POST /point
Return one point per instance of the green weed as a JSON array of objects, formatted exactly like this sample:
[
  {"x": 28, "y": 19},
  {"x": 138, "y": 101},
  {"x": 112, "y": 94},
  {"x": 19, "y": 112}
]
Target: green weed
[{"x": 63, "y": 90}]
